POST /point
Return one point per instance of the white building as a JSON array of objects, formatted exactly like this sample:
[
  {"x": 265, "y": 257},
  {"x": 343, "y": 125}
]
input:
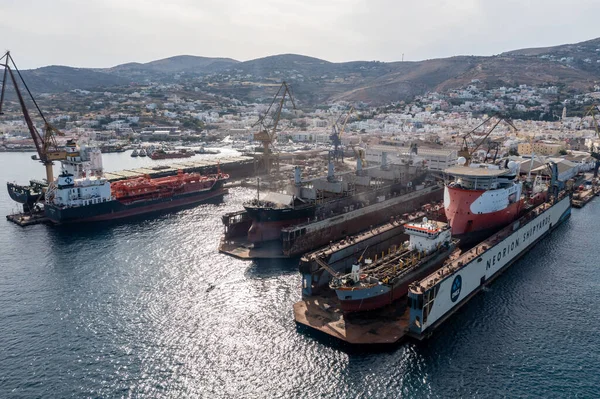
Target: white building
[{"x": 435, "y": 159}]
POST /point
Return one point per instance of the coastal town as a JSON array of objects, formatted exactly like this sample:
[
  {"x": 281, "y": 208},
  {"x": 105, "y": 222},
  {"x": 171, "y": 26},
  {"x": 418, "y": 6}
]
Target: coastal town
[{"x": 432, "y": 124}]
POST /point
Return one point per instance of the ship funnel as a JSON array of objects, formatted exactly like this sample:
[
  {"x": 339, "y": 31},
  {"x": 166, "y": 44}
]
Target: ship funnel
[
  {"x": 384, "y": 160},
  {"x": 297, "y": 176}
]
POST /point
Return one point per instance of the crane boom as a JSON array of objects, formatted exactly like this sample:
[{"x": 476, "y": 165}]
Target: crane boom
[
  {"x": 46, "y": 146},
  {"x": 466, "y": 152},
  {"x": 266, "y": 137}
]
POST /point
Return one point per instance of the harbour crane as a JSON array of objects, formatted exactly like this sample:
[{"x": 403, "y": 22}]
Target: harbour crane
[
  {"x": 267, "y": 134},
  {"x": 594, "y": 152},
  {"x": 336, "y": 135},
  {"x": 466, "y": 152},
  {"x": 45, "y": 144}
]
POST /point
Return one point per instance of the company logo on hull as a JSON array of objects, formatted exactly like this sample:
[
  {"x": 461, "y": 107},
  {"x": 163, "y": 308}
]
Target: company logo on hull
[{"x": 455, "y": 290}]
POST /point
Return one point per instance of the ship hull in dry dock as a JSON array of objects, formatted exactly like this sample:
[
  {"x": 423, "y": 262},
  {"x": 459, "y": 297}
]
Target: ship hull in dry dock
[
  {"x": 380, "y": 295},
  {"x": 435, "y": 298},
  {"x": 267, "y": 223},
  {"x": 113, "y": 210},
  {"x": 300, "y": 239}
]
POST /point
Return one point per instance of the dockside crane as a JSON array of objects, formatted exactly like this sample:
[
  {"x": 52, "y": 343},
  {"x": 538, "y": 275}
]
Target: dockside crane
[
  {"x": 45, "y": 144},
  {"x": 467, "y": 152},
  {"x": 267, "y": 134},
  {"x": 336, "y": 136},
  {"x": 594, "y": 152}
]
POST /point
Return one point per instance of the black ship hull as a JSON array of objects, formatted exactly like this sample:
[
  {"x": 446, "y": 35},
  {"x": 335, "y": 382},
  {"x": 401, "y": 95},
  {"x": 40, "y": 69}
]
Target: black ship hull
[{"x": 111, "y": 210}]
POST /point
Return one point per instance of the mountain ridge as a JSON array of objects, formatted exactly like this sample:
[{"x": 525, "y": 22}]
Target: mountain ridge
[{"x": 575, "y": 66}]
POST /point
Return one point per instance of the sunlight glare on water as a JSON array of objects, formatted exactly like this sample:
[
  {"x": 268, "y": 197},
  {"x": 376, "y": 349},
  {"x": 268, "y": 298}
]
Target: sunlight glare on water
[{"x": 149, "y": 308}]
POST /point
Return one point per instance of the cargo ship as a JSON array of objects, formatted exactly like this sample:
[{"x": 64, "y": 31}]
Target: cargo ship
[
  {"x": 93, "y": 198},
  {"x": 317, "y": 210},
  {"x": 162, "y": 154},
  {"x": 483, "y": 198},
  {"x": 433, "y": 299},
  {"x": 377, "y": 284}
]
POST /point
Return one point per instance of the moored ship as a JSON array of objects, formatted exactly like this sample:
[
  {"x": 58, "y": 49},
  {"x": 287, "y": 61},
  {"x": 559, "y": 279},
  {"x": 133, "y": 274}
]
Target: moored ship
[
  {"x": 377, "y": 284},
  {"x": 93, "y": 198},
  {"x": 162, "y": 154}
]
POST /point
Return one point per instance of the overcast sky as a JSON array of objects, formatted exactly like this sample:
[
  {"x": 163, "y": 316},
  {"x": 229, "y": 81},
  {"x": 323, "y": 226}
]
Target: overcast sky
[{"x": 104, "y": 33}]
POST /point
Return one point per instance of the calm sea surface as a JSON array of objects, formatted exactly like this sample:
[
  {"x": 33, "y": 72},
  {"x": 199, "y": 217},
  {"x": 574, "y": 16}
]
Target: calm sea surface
[{"x": 148, "y": 308}]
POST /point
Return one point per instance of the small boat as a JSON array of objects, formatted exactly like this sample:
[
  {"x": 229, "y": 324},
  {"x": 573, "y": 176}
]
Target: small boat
[
  {"x": 134, "y": 153},
  {"x": 142, "y": 152},
  {"x": 35, "y": 157}
]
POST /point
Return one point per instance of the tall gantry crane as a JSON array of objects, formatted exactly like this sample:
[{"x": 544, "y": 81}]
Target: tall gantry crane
[
  {"x": 467, "y": 150},
  {"x": 45, "y": 144},
  {"x": 336, "y": 135},
  {"x": 267, "y": 133},
  {"x": 594, "y": 152}
]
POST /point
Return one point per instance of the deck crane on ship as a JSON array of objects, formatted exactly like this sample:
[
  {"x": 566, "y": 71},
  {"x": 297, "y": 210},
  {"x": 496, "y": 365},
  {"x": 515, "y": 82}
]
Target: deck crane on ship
[
  {"x": 45, "y": 144},
  {"x": 266, "y": 136}
]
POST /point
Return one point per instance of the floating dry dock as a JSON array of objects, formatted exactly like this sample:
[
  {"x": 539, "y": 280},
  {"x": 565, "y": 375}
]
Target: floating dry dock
[
  {"x": 317, "y": 267},
  {"x": 436, "y": 297}
]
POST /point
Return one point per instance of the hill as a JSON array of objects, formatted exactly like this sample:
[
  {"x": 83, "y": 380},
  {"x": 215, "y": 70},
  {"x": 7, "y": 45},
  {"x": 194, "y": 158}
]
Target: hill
[{"x": 573, "y": 66}]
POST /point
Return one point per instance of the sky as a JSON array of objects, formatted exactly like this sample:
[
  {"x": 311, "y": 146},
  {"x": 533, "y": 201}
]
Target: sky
[{"x": 104, "y": 33}]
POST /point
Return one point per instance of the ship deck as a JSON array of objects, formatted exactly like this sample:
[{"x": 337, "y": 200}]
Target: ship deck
[
  {"x": 386, "y": 326},
  {"x": 226, "y": 164}
]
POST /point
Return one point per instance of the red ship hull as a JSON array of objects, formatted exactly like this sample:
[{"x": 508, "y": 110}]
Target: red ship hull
[{"x": 468, "y": 221}]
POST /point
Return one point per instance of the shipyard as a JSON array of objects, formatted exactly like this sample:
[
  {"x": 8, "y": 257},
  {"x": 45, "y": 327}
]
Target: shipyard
[
  {"x": 374, "y": 242},
  {"x": 199, "y": 226}
]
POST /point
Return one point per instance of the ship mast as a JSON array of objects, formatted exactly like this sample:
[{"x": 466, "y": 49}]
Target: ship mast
[{"x": 45, "y": 145}]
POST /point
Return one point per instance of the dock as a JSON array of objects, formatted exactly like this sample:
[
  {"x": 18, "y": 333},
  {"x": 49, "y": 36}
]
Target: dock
[
  {"x": 383, "y": 327},
  {"x": 581, "y": 198},
  {"x": 28, "y": 219},
  {"x": 241, "y": 166},
  {"x": 245, "y": 250}
]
